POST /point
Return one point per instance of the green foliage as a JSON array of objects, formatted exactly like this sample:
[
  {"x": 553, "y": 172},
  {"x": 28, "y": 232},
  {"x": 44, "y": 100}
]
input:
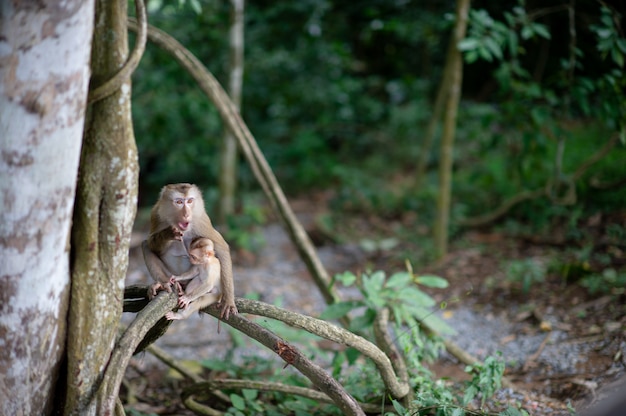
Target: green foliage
[
  {"x": 527, "y": 271},
  {"x": 487, "y": 378},
  {"x": 247, "y": 403},
  {"x": 400, "y": 293},
  {"x": 244, "y": 227},
  {"x": 609, "y": 280}
]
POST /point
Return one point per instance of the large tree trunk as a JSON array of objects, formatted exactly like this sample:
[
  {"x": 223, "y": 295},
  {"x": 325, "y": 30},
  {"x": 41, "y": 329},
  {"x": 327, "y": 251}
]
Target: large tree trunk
[
  {"x": 454, "y": 78},
  {"x": 106, "y": 204},
  {"x": 44, "y": 73},
  {"x": 228, "y": 157}
]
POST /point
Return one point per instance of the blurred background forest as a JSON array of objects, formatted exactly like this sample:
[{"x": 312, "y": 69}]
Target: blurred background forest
[{"x": 339, "y": 96}]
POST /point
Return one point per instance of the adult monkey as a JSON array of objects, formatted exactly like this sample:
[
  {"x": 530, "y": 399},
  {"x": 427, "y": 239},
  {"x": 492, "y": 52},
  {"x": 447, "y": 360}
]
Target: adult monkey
[{"x": 180, "y": 209}]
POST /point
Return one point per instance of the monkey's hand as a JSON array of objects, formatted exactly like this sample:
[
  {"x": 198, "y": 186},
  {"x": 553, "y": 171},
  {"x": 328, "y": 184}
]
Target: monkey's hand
[
  {"x": 157, "y": 287},
  {"x": 183, "y": 301},
  {"x": 174, "y": 282},
  {"x": 170, "y": 316},
  {"x": 177, "y": 234},
  {"x": 227, "y": 309}
]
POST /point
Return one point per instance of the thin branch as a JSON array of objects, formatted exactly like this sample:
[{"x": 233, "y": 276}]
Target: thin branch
[
  {"x": 113, "y": 84},
  {"x": 171, "y": 362},
  {"x": 199, "y": 389}
]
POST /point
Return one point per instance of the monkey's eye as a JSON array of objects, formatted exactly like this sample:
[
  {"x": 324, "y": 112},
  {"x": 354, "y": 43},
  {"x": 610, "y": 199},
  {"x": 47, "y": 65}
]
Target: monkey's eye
[
  {"x": 190, "y": 201},
  {"x": 179, "y": 201}
]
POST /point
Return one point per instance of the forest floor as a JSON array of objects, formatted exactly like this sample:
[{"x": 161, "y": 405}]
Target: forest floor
[{"x": 563, "y": 347}]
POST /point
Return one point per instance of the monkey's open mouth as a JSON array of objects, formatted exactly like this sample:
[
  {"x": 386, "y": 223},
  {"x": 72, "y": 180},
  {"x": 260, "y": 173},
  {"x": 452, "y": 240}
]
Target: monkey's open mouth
[{"x": 183, "y": 225}]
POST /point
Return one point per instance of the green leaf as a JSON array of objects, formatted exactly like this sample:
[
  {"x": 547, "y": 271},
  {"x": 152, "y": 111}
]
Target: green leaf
[
  {"x": 237, "y": 401},
  {"x": 374, "y": 283},
  {"x": 339, "y": 309},
  {"x": 414, "y": 296},
  {"x": 494, "y": 47},
  {"x": 400, "y": 279},
  {"x": 398, "y": 407},
  {"x": 484, "y": 53},
  {"x": 468, "y": 44},
  {"x": 346, "y": 278},
  {"x": 469, "y": 395},
  {"x": 471, "y": 57},
  {"x": 250, "y": 394},
  {"x": 541, "y": 30},
  {"x": 432, "y": 281}
]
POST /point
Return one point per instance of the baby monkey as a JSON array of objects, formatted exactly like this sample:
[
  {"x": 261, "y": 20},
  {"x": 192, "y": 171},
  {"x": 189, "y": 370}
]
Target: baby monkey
[{"x": 203, "y": 276}]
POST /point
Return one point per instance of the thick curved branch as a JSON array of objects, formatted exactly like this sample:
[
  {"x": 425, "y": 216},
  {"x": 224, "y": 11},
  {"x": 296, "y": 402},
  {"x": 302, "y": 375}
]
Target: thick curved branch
[
  {"x": 113, "y": 84},
  {"x": 128, "y": 343},
  {"x": 398, "y": 389},
  {"x": 384, "y": 341},
  {"x": 261, "y": 169},
  {"x": 292, "y": 356}
]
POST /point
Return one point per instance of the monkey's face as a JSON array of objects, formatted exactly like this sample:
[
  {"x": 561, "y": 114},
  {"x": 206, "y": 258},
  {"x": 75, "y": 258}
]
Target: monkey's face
[{"x": 183, "y": 206}]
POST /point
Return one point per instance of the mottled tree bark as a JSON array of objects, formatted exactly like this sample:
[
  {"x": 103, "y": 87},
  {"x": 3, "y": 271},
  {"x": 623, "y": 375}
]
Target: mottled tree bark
[
  {"x": 44, "y": 74},
  {"x": 105, "y": 208}
]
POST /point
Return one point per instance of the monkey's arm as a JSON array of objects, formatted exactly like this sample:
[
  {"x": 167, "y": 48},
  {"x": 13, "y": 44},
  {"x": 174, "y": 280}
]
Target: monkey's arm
[
  {"x": 226, "y": 281},
  {"x": 157, "y": 270},
  {"x": 160, "y": 240},
  {"x": 193, "y": 271}
]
